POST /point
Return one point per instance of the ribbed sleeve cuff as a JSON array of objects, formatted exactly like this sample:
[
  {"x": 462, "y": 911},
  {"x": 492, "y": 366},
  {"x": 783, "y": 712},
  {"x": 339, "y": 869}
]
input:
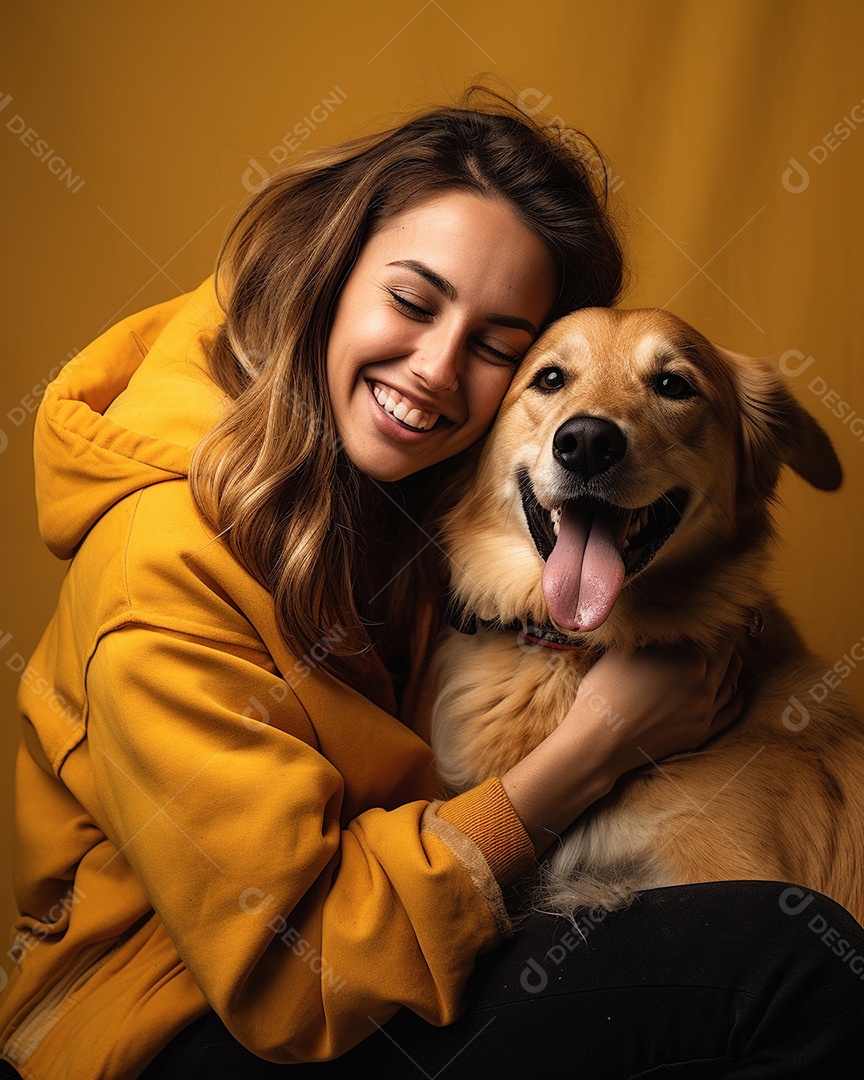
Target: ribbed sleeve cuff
[{"x": 486, "y": 816}]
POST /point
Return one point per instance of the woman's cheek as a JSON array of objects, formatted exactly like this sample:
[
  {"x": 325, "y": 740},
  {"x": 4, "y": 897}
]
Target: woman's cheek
[
  {"x": 384, "y": 335},
  {"x": 491, "y": 387}
]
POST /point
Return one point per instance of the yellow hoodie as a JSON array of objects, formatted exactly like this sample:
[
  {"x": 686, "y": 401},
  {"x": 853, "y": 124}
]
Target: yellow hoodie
[{"x": 205, "y": 820}]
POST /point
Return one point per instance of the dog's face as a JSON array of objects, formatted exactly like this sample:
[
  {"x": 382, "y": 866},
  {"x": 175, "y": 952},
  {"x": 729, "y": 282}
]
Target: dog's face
[{"x": 631, "y": 460}]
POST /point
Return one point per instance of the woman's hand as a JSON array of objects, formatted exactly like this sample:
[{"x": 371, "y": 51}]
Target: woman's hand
[
  {"x": 630, "y": 710},
  {"x": 658, "y": 701}
]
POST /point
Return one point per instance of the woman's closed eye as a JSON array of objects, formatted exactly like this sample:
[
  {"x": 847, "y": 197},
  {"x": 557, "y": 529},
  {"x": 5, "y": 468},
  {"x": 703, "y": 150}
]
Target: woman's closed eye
[
  {"x": 409, "y": 307},
  {"x": 421, "y": 313},
  {"x": 497, "y": 355}
]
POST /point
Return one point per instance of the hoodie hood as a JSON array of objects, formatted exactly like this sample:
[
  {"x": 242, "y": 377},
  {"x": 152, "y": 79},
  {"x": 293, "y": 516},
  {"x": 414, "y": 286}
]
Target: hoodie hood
[{"x": 124, "y": 413}]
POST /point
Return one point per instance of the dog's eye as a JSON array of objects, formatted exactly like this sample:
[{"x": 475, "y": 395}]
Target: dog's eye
[
  {"x": 549, "y": 379},
  {"x": 670, "y": 385}
]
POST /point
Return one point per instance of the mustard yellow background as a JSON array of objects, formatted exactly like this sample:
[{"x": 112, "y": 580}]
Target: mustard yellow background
[{"x": 735, "y": 130}]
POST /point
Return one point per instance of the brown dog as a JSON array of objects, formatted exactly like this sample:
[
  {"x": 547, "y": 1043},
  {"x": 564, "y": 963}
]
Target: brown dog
[{"x": 623, "y": 499}]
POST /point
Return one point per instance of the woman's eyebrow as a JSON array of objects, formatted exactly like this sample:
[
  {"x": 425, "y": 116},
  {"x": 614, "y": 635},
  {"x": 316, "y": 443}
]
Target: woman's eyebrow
[
  {"x": 435, "y": 280},
  {"x": 446, "y": 289},
  {"x": 515, "y": 322}
]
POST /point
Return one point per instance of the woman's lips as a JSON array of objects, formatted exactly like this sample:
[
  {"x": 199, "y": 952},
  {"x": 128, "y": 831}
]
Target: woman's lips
[{"x": 403, "y": 409}]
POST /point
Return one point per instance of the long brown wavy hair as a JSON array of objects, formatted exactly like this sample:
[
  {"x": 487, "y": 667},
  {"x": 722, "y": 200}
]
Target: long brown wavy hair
[{"x": 337, "y": 551}]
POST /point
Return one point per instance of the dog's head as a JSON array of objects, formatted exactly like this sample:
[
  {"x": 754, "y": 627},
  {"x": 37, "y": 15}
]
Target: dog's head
[{"x": 623, "y": 492}]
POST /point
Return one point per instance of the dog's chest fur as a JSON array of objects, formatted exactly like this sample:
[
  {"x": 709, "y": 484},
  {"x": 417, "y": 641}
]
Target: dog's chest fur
[
  {"x": 500, "y": 697},
  {"x": 761, "y": 801}
]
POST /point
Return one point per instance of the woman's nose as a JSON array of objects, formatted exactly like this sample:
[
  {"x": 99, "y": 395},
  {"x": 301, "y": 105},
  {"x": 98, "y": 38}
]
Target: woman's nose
[{"x": 437, "y": 362}]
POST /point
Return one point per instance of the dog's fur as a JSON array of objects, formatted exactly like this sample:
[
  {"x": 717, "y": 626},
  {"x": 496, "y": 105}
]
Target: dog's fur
[{"x": 780, "y": 794}]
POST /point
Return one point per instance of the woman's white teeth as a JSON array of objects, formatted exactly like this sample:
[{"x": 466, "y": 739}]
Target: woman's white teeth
[
  {"x": 396, "y": 405},
  {"x": 418, "y": 419}
]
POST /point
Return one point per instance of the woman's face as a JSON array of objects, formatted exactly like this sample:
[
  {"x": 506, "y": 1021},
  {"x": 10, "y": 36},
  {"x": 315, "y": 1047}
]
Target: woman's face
[{"x": 430, "y": 326}]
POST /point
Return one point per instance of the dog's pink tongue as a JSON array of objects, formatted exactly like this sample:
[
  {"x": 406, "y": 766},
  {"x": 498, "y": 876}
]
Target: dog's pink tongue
[{"x": 584, "y": 574}]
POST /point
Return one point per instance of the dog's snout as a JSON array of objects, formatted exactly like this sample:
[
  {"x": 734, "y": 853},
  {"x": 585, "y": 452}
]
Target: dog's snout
[{"x": 587, "y": 445}]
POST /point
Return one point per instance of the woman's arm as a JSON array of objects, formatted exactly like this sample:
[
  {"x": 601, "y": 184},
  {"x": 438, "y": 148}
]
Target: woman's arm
[
  {"x": 669, "y": 700},
  {"x": 304, "y": 923}
]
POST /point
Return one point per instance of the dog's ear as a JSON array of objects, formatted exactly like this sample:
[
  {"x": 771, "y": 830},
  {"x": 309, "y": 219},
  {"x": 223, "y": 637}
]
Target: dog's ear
[{"x": 777, "y": 431}]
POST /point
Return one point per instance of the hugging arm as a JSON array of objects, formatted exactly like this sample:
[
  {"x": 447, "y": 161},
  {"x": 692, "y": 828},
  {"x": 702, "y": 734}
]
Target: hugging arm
[
  {"x": 670, "y": 699},
  {"x": 303, "y": 926}
]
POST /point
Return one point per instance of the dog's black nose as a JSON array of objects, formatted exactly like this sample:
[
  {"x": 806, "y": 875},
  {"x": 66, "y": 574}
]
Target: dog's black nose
[{"x": 587, "y": 445}]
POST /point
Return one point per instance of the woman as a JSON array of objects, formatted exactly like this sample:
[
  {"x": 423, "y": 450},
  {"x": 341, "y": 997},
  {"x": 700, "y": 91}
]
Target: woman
[{"x": 229, "y": 845}]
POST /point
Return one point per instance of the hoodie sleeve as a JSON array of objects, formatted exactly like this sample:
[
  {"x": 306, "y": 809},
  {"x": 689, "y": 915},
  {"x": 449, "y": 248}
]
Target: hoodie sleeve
[{"x": 303, "y": 930}]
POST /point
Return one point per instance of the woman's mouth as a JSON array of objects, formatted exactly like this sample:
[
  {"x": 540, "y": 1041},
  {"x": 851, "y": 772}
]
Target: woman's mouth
[{"x": 403, "y": 409}]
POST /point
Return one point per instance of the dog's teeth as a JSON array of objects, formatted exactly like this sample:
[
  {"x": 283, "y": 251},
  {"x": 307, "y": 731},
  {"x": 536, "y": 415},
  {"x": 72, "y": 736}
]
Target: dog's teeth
[
  {"x": 638, "y": 521},
  {"x": 556, "y": 527},
  {"x": 555, "y": 515}
]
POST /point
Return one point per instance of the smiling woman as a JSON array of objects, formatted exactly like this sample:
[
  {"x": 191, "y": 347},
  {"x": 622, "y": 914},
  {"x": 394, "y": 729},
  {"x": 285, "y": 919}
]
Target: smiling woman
[
  {"x": 238, "y": 857},
  {"x": 429, "y": 328},
  {"x": 420, "y": 259}
]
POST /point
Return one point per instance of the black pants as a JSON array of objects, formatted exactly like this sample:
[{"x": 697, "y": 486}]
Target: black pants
[{"x": 731, "y": 979}]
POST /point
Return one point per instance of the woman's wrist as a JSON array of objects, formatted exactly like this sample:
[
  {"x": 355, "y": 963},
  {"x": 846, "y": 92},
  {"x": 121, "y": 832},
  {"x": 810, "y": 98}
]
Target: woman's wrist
[{"x": 558, "y": 780}]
